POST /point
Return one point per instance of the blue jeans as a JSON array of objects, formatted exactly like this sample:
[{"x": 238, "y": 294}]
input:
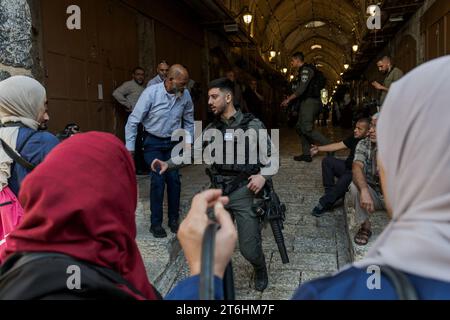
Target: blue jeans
[{"x": 158, "y": 148}]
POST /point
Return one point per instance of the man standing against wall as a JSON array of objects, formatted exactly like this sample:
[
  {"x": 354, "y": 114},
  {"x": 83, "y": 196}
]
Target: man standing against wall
[
  {"x": 163, "y": 70},
  {"x": 254, "y": 100},
  {"x": 308, "y": 94},
  {"x": 393, "y": 74},
  {"x": 162, "y": 109},
  {"x": 239, "y": 101},
  {"x": 128, "y": 95}
]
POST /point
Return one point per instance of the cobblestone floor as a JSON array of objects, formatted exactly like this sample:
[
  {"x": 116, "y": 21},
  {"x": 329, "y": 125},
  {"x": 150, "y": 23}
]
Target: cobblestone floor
[{"x": 316, "y": 247}]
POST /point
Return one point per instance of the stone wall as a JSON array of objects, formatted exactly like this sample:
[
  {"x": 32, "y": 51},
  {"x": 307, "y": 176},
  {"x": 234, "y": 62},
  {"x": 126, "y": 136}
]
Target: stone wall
[
  {"x": 412, "y": 28},
  {"x": 15, "y": 38},
  {"x": 147, "y": 50}
]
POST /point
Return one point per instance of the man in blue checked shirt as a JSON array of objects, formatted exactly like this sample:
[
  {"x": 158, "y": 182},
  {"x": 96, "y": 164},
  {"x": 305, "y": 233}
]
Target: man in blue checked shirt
[{"x": 162, "y": 109}]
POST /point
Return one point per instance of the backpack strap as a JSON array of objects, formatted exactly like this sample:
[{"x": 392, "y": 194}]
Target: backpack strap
[
  {"x": 402, "y": 285},
  {"x": 15, "y": 155}
]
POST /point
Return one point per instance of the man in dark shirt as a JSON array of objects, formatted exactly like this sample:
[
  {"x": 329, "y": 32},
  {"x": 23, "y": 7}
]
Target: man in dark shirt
[{"x": 335, "y": 168}]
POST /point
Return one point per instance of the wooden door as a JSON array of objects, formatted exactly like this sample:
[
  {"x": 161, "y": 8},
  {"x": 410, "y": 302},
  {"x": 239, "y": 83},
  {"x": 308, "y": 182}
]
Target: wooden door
[{"x": 83, "y": 67}]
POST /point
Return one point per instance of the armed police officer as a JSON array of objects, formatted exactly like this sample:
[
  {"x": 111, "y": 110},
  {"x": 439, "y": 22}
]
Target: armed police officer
[
  {"x": 310, "y": 83},
  {"x": 240, "y": 181}
]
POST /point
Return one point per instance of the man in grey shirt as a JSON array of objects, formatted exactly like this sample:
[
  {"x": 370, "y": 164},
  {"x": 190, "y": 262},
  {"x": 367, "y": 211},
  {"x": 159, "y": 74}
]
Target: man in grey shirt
[
  {"x": 392, "y": 74},
  {"x": 128, "y": 95},
  {"x": 163, "y": 70},
  {"x": 163, "y": 109}
]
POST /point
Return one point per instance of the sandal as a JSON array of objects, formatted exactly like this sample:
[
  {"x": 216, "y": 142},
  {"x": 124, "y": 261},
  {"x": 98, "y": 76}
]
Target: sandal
[{"x": 362, "y": 236}]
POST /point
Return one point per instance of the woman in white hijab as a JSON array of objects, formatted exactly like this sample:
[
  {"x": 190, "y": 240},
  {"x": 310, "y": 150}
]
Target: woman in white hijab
[
  {"x": 414, "y": 161},
  {"x": 22, "y": 111}
]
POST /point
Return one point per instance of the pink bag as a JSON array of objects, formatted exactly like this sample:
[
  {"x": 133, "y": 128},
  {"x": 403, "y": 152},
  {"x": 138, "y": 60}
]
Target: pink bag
[{"x": 11, "y": 213}]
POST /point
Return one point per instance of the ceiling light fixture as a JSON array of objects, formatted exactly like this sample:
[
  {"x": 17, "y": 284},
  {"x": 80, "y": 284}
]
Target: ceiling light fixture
[
  {"x": 396, "y": 19},
  {"x": 315, "y": 24},
  {"x": 247, "y": 16},
  {"x": 316, "y": 46}
]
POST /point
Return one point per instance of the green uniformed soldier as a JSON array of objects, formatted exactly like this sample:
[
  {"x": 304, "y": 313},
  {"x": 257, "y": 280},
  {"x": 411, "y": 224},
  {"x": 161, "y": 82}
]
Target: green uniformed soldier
[
  {"x": 240, "y": 181},
  {"x": 307, "y": 93}
]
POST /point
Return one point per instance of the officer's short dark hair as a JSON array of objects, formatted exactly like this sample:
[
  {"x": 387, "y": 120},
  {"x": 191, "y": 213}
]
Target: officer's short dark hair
[
  {"x": 138, "y": 69},
  {"x": 364, "y": 120},
  {"x": 299, "y": 55},
  {"x": 385, "y": 57},
  {"x": 224, "y": 84}
]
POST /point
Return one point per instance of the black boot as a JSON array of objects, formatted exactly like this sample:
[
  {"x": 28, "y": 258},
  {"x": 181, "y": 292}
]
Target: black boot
[
  {"x": 261, "y": 278},
  {"x": 303, "y": 158}
]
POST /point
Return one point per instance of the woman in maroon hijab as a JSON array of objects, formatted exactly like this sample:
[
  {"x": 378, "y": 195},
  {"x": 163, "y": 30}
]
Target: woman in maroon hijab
[
  {"x": 81, "y": 202},
  {"x": 80, "y": 208}
]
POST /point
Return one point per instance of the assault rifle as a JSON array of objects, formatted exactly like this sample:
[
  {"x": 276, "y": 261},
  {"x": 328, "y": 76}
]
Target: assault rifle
[{"x": 271, "y": 210}]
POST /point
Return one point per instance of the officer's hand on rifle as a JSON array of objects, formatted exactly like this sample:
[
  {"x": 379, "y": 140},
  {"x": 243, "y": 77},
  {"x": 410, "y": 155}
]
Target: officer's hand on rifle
[
  {"x": 193, "y": 228},
  {"x": 256, "y": 184},
  {"x": 161, "y": 165}
]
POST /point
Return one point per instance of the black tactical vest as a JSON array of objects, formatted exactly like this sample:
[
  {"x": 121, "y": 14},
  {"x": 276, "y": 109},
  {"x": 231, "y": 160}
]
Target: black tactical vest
[
  {"x": 236, "y": 169},
  {"x": 317, "y": 83}
]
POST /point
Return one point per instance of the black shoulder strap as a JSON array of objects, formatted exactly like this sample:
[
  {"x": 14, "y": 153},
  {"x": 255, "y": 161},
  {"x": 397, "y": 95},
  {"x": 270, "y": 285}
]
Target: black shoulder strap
[
  {"x": 18, "y": 261},
  {"x": 404, "y": 288},
  {"x": 16, "y": 155}
]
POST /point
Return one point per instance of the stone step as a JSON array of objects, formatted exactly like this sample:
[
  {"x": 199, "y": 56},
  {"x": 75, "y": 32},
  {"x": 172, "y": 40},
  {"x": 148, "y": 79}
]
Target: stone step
[{"x": 163, "y": 258}]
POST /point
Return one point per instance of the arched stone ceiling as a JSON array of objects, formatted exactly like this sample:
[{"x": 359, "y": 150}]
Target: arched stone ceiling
[
  {"x": 281, "y": 25},
  {"x": 277, "y": 19},
  {"x": 321, "y": 55}
]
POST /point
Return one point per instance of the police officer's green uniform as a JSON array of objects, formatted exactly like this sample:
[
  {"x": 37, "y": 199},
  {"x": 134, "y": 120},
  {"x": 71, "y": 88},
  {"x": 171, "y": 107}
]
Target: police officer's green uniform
[
  {"x": 233, "y": 179},
  {"x": 310, "y": 103}
]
